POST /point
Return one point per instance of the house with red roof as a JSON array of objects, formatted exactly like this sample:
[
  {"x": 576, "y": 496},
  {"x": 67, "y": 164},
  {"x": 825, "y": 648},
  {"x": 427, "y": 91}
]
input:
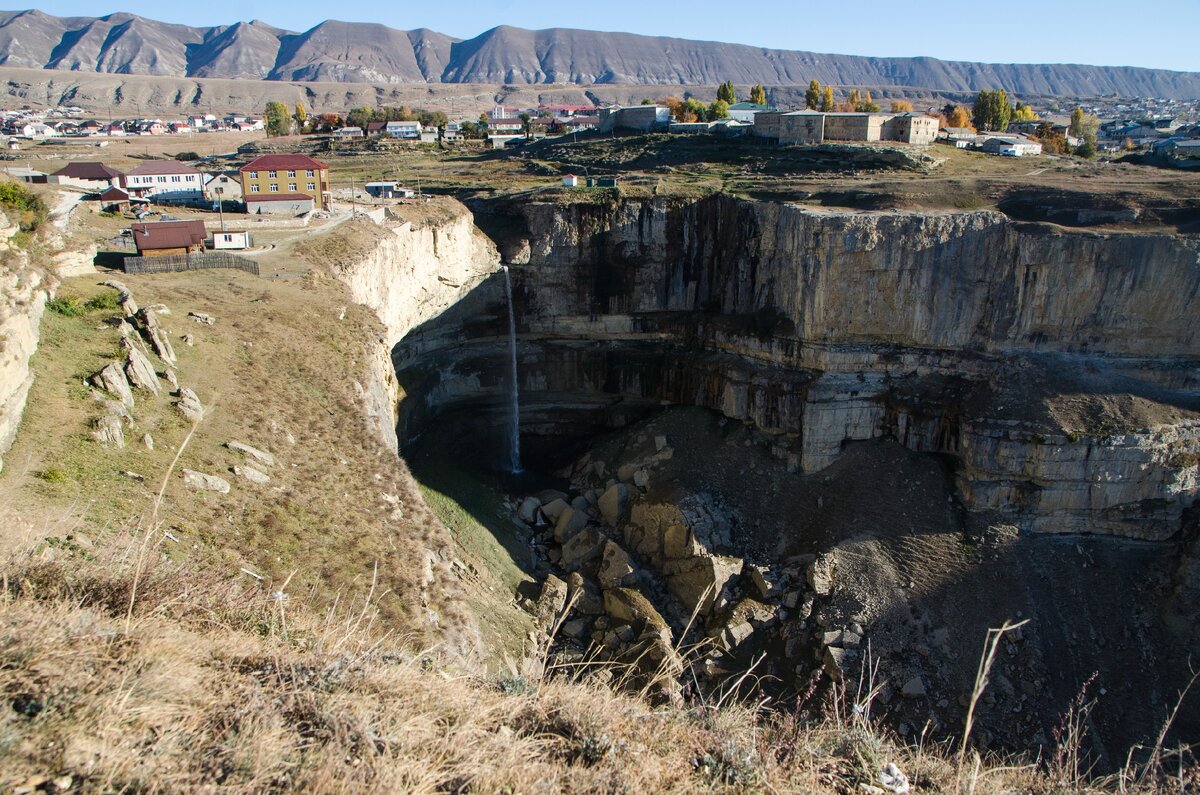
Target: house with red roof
[
  {"x": 269, "y": 176},
  {"x": 161, "y": 238},
  {"x": 89, "y": 175},
  {"x": 165, "y": 181}
]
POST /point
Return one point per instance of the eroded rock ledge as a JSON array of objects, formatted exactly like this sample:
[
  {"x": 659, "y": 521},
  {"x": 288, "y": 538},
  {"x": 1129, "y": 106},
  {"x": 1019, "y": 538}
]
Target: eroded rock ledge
[{"x": 1058, "y": 369}]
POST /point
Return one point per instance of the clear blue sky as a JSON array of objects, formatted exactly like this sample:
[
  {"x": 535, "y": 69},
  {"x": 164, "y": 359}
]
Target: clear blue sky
[{"x": 1163, "y": 34}]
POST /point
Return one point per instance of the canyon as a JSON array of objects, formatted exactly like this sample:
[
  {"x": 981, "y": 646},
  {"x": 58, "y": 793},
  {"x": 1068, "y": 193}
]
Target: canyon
[{"x": 970, "y": 419}]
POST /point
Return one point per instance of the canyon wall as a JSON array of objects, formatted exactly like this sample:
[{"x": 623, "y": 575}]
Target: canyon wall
[
  {"x": 1058, "y": 369},
  {"x": 22, "y": 301}
]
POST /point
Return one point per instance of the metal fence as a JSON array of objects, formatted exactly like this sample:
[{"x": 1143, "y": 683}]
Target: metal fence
[{"x": 173, "y": 263}]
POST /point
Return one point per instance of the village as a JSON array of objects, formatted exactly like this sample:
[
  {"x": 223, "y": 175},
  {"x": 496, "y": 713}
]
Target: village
[{"x": 184, "y": 204}]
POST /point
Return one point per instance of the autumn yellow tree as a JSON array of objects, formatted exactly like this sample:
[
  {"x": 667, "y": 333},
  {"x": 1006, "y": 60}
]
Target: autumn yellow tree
[
  {"x": 758, "y": 95},
  {"x": 827, "y": 100},
  {"x": 901, "y": 106},
  {"x": 959, "y": 118}
]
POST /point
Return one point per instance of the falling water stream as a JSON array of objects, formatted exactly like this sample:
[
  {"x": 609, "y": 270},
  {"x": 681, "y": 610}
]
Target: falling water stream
[{"x": 514, "y": 398}]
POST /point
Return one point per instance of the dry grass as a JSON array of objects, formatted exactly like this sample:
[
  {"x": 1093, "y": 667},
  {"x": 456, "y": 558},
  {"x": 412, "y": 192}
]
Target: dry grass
[{"x": 219, "y": 684}]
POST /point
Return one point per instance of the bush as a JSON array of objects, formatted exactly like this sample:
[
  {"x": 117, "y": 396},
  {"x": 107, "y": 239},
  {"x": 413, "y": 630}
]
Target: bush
[
  {"x": 66, "y": 305},
  {"x": 107, "y": 301},
  {"x": 52, "y": 475},
  {"x": 32, "y": 211},
  {"x": 187, "y": 156}
]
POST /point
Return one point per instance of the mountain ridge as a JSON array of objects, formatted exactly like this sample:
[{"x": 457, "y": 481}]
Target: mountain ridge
[{"x": 364, "y": 52}]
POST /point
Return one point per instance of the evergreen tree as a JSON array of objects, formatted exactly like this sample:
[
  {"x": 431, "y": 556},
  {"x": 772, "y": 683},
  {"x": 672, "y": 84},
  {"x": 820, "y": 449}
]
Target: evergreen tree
[
  {"x": 827, "y": 100},
  {"x": 727, "y": 93},
  {"x": 758, "y": 95},
  {"x": 277, "y": 119},
  {"x": 812, "y": 97}
]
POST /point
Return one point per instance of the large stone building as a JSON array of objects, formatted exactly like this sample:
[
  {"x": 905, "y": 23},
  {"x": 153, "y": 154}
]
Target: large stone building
[
  {"x": 166, "y": 181},
  {"x": 644, "y": 118},
  {"x": 285, "y": 175},
  {"x": 814, "y": 127}
]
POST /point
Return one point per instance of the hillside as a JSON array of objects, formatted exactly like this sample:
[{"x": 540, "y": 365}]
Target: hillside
[{"x": 371, "y": 53}]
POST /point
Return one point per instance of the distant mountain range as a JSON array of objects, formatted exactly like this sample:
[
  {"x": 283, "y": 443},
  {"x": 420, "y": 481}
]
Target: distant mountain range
[{"x": 368, "y": 53}]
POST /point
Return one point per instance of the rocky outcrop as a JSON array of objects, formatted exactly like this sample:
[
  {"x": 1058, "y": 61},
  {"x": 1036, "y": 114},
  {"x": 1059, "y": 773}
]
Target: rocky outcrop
[
  {"x": 22, "y": 301},
  {"x": 1057, "y": 367},
  {"x": 419, "y": 270}
]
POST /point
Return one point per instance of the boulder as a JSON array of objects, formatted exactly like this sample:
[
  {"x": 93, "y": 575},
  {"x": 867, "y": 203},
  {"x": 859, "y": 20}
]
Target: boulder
[
  {"x": 171, "y": 379},
  {"x": 913, "y": 688},
  {"x": 843, "y": 638},
  {"x": 554, "y": 509},
  {"x": 112, "y": 379},
  {"x": 641, "y": 479},
  {"x": 837, "y": 662},
  {"x": 546, "y": 496},
  {"x": 586, "y": 597},
  {"x": 202, "y": 318},
  {"x": 124, "y": 297},
  {"x": 138, "y": 369},
  {"x": 570, "y": 522},
  {"x": 732, "y": 636},
  {"x": 616, "y": 567},
  {"x": 203, "y": 482},
  {"x": 156, "y": 335},
  {"x": 108, "y": 430},
  {"x": 261, "y": 456},
  {"x": 630, "y": 606},
  {"x": 768, "y": 583},
  {"x": 582, "y": 548},
  {"x": 552, "y": 601},
  {"x": 820, "y": 575},
  {"x": 614, "y": 504},
  {"x": 251, "y": 474},
  {"x": 189, "y": 405},
  {"x": 625, "y": 472},
  {"x": 148, "y": 440},
  {"x": 698, "y": 582},
  {"x": 528, "y": 510}
]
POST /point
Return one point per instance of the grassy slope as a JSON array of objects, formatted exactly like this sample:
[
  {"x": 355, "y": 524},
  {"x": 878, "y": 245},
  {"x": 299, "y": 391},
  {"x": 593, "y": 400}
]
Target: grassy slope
[
  {"x": 277, "y": 362},
  {"x": 132, "y": 661}
]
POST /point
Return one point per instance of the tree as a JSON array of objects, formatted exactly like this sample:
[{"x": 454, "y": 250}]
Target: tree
[
  {"x": 718, "y": 110},
  {"x": 1076, "y": 128},
  {"x": 827, "y": 100},
  {"x": 301, "y": 116},
  {"x": 901, "y": 106},
  {"x": 1023, "y": 113},
  {"x": 675, "y": 105},
  {"x": 958, "y": 117},
  {"x": 277, "y": 119},
  {"x": 854, "y": 100},
  {"x": 1086, "y": 127},
  {"x": 695, "y": 110},
  {"x": 812, "y": 97},
  {"x": 991, "y": 111},
  {"x": 758, "y": 94},
  {"x": 328, "y": 122},
  {"x": 1052, "y": 143},
  {"x": 727, "y": 93},
  {"x": 867, "y": 105},
  {"x": 527, "y": 125},
  {"x": 360, "y": 117}
]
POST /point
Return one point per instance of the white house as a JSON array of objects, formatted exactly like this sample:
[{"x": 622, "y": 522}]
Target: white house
[
  {"x": 403, "y": 129},
  {"x": 1011, "y": 146},
  {"x": 38, "y": 130},
  {"x": 165, "y": 181},
  {"x": 570, "y": 181},
  {"x": 232, "y": 240}
]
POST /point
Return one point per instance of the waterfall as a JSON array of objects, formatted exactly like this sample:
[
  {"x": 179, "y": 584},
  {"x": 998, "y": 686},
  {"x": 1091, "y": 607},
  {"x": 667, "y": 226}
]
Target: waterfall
[{"x": 514, "y": 397}]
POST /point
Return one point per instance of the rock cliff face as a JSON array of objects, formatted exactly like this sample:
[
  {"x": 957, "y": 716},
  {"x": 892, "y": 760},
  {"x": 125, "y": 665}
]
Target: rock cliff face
[
  {"x": 1058, "y": 369},
  {"x": 22, "y": 301}
]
